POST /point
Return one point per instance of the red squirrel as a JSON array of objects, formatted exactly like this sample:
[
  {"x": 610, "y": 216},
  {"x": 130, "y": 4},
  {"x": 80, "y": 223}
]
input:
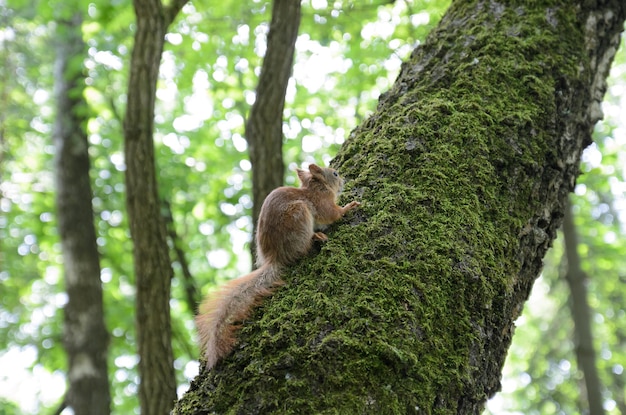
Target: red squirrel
[{"x": 289, "y": 222}]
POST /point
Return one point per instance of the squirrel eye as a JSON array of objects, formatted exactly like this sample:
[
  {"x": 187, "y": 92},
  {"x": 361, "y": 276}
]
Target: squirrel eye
[{"x": 335, "y": 174}]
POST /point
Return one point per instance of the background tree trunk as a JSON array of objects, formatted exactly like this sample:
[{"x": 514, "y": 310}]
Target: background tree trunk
[
  {"x": 464, "y": 172},
  {"x": 581, "y": 312},
  {"x": 85, "y": 336},
  {"x": 153, "y": 270},
  {"x": 264, "y": 127}
]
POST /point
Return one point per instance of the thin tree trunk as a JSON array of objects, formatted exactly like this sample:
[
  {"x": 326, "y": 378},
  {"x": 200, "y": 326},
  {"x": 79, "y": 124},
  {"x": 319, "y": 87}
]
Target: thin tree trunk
[
  {"x": 264, "y": 127},
  {"x": 192, "y": 294},
  {"x": 153, "y": 270},
  {"x": 581, "y": 312},
  {"x": 85, "y": 336},
  {"x": 619, "y": 383},
  {"x": 463, "y": 173}
]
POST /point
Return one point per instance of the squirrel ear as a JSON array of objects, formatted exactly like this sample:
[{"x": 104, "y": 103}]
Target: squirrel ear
[
  {"x": 314, "y": 168},
  {"x": 304, "y": 176}
]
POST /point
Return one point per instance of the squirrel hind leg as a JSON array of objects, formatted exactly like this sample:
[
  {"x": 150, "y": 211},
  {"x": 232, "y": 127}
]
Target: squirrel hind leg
[
  {"x": 320, "y": 236},
  {"x": 290, "y": 239}
]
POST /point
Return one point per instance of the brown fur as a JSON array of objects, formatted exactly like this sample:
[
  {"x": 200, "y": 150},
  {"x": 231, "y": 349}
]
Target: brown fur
[{"x": 286, "y": 230}]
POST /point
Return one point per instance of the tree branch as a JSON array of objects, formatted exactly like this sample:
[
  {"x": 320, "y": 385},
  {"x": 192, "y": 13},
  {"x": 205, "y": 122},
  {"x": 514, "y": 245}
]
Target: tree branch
[{"x": 172, "y": 10}]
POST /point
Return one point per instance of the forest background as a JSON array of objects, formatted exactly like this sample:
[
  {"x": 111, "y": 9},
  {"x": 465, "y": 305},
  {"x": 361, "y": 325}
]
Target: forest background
[{"x": 347, "y": 54}]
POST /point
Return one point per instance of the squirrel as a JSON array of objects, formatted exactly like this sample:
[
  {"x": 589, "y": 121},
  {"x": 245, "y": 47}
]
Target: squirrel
[{"x": 290, "y": 220}]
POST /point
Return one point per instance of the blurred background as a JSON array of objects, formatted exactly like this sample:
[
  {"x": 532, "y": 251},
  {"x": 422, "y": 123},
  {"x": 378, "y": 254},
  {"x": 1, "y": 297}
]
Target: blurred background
[{"x": 347, "y": 54}]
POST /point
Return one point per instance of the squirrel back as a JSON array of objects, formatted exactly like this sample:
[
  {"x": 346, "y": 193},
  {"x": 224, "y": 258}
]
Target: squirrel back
[{"x": 286, "y": 230}]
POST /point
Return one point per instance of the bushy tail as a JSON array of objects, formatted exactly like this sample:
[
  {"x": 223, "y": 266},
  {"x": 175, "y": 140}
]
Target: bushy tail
[{"x": 222, "y": 312}]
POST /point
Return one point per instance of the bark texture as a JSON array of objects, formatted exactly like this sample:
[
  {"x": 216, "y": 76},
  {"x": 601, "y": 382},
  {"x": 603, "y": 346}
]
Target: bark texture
[
  {"x": 264, "y": 127},
  {"x": 153, "y": 270},
  {"x": 581, "y": 312},
  {"x": 85, "y": 337},
  {"x": 463, "y": 172}
]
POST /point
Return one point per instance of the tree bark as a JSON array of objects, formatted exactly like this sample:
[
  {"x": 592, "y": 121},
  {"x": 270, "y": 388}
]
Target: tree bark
[
  {"x": 85, "y": 336},
  {"x": 464, "y": 172},
  {"x": 153, "y": 270},
  {"x": 264, "y": 127},
  {"x": 581, "y": 313}
]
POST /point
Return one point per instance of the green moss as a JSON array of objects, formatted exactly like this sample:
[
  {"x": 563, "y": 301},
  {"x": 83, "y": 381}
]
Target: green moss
[{"x": 396, "y": 312}]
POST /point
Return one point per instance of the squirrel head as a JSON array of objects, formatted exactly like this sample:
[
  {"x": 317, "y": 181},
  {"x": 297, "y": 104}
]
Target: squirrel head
[{"x": 321, "y": 178}]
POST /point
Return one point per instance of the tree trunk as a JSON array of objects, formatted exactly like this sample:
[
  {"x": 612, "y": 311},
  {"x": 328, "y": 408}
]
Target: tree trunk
[
  {"x": 619, "y": 383},
  {"x": 581, "y": 312},
  {"x": 264, "y": 127},
  {"x": 153, "y": 270},
  {"x": 85, "y": 336},
  {"x": 192, "y": 294},
  {"x": 463, "y": 171}
]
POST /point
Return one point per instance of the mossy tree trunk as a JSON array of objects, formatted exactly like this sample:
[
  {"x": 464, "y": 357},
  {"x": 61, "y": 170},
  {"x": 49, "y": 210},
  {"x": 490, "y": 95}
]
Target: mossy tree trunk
[{"x": 463, "y": 172}]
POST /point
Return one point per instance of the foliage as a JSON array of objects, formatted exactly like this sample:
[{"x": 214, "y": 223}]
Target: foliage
[{"x": 348, "y": 52}]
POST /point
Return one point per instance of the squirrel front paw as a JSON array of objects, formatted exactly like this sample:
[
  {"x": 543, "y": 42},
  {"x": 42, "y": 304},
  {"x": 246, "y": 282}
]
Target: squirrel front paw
[{"x": 351, "y": 205}]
